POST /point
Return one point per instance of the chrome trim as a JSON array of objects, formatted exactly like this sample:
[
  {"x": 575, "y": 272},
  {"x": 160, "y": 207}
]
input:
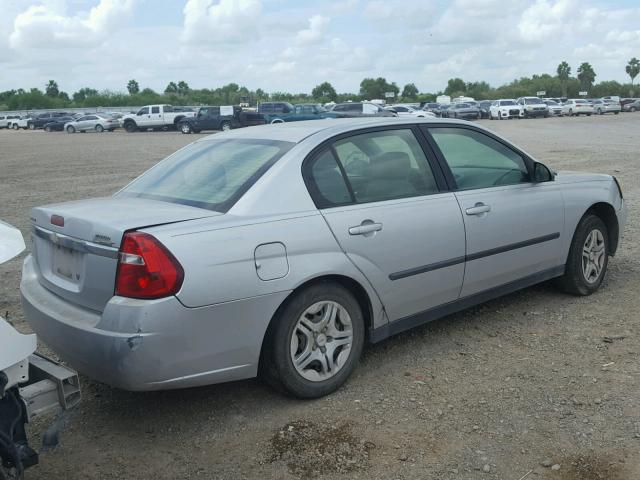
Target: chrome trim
[{"x": 75, "y": 244}]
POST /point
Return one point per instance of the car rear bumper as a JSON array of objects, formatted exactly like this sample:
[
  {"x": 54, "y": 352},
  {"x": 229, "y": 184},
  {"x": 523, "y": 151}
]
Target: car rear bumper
[{"x": 151, "y": 344}]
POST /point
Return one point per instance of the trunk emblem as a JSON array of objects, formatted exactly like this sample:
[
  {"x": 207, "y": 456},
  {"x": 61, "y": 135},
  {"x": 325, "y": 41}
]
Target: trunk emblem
[{"x": 57, "y": 220}]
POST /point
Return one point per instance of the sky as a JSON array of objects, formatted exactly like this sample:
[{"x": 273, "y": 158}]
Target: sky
[{"x": 293, "y": 45}]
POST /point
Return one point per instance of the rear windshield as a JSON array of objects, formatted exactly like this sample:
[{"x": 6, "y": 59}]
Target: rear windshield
[{"x": 210, "y": 174}]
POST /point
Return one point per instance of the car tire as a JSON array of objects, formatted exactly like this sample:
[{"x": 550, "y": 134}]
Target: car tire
[
  {"x": 632, "y": 109},
  {"x": 301, "y": 331},
  {"x": 99, "y": 128},
  {"x": 185, "y": 128},
  {"x": 599, "y": 111},
  {"x": 130, "y": 127},
  {"x": 31, "y": 126},
  {"x": 225, "y": 126},
  {"x": 588, "y": 114},
  {"x": 588, "y": 257},
  {"x": 15, "y": 126},
  {"x": 71, "y": 129},
  {"x": 615, "y": 113},
  {"x": 277, "y": 120},
  {"x": 570, "y": 112},
  {"x": 47, "y": 129}
]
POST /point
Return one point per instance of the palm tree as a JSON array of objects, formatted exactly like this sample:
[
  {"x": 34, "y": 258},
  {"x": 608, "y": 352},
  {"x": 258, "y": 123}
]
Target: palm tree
[
  {"x": 564, "y": 72},
  {"x": 133, "y": 87},
  {"x": 52, "y": 89},
  {"x": 633, "y": 69},
  {"x": 586, "y": 75}
]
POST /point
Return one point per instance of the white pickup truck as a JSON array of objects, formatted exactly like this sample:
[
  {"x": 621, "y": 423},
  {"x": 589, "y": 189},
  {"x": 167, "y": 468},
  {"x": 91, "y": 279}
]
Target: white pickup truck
[{"x": 155, "y": 116}]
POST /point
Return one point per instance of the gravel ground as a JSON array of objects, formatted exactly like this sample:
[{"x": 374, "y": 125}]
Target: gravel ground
[{"x": 536, "y": 384}]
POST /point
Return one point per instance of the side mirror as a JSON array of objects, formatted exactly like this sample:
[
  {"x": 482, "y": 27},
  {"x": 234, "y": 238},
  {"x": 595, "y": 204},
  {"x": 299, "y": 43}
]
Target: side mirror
[{"x": 542, "y": 173}]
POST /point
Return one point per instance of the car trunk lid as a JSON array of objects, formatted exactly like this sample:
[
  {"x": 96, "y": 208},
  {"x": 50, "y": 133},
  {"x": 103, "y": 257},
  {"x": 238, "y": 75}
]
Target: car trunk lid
[{"x": 75, "y": 244}]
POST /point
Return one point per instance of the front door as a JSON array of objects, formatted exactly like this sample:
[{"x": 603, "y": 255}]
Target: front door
[
  {"x": 513, "y": 226},
  {"x": 379, "y": 195}
]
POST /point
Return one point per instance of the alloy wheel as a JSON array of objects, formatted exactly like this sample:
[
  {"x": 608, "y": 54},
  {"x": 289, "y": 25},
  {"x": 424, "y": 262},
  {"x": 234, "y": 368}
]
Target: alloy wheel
[
  {"x": 593, "y": 256},
  {"x": 321, "y": 341}
]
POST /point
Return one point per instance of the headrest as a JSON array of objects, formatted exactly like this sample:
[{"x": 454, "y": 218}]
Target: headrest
[{"x": 391, "y": 165}]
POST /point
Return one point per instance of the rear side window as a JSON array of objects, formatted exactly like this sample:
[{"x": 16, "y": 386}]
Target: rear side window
[
  {"x": 155, "y": 109},
  {"x": 328, "y": 185},
  {"x": 212, "y": 174},
  {"x": 379, "y": 166},
  {"x": 477, "y": 160}
]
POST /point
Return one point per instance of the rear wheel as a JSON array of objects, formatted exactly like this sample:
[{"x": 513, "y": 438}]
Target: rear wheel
[
  {"x": 71, "y": 129},
  {"x": 226, "y": 126},
  {"x": 588, "y": 257},
  {"x": 315, "y": 342},
  {"x": 599, "y": 111},
  {"x": 130, "y": 127},
  {"x": 99, "y": 128},
  {"x": 632, "y": 109}
]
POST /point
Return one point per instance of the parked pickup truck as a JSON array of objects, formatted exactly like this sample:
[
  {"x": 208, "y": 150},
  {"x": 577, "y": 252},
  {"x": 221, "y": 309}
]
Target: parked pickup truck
[
  {"x": 40, "y": 120},
  {"x": 279, "y": 112},
  {"x": 220, "y": 118},
  {"x": 20, "y": 122},
  {"x": 154, "y": 116}
]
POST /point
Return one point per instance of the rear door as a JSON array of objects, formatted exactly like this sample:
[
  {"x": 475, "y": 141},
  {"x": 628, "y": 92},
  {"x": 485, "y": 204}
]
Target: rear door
[
  {"x": 383, "y": 201},
  {"x": 513, "y": 226}
]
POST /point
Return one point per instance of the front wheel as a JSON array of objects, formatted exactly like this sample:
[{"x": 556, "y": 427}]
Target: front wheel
[
  {"x": 225, "y": 127},
  {"x": 130, "y": 127},
  {"x": 31, "y": 126},
  {"x": 588, "y": 257},
  {"x": 315, "y": 342},
  {"x": 71, "y": 129},
  {"x": 185, "y": 128},
  {"x": 47, "y": 129}
]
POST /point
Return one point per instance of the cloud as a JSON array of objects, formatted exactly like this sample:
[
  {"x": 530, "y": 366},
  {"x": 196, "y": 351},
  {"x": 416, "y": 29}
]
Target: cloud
[
  {"x": 315, "y": 33},
  {"x": 546, "y": 19},
  {"x": 45, "y": 26},
  {"x": 227, "y": 21}
]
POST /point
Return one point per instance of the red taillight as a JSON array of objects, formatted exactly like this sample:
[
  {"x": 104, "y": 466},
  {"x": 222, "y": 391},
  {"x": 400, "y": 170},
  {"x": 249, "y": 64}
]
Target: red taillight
[{"x": 146, "y": 269}]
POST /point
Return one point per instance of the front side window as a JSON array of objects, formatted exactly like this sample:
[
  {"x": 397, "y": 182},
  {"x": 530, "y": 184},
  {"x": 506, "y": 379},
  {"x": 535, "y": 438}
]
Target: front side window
[
  {"x": 385, "y": 165},
  {"x": 143, "y": 111},
  {"x": 212, "y": 174},
  {"x": 478, "y": 161}
]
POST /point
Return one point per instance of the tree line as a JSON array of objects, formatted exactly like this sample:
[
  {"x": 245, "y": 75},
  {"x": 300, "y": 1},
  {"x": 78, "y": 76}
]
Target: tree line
[{"x": 562, "y": 84}]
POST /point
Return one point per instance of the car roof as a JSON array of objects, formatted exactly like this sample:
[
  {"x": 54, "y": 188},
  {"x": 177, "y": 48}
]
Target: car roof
[{"x": 298, "y": 131}]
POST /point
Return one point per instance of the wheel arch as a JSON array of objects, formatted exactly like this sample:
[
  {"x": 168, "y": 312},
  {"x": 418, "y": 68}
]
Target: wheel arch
[
  {"x": 355, "y": 287},
  {"x": 607, "y": 214}
]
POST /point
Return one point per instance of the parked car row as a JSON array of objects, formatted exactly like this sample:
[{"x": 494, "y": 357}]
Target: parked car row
[{"x": 187, "y": 120}]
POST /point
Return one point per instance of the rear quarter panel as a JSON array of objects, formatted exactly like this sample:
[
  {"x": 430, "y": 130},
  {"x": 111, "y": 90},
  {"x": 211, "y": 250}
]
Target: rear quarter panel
[{"x": 218, "y": 257}]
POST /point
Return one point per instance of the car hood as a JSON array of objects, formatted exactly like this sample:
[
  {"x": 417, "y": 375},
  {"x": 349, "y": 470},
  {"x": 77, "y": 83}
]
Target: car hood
[{"x": 568, "y": 176}]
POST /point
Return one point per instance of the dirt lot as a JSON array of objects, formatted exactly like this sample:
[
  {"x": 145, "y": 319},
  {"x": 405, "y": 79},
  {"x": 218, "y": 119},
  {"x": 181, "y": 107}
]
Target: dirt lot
[{"x": 537, "y": 377}]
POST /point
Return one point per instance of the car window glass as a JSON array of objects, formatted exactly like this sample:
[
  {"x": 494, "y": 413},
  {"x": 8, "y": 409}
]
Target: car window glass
[
  {"x": 354, "y": 107},
  {"x": 385, "y": 165},
  {"x": 477, "y": 160},
  {"x": 143, "y": 111},
  {"x": 327, "y": 184},
  {"x": 212, "y": 174},
  {"x": 155, "y": 109}
]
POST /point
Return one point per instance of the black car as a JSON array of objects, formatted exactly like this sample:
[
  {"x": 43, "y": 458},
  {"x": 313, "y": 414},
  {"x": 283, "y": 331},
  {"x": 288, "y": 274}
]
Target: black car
[
  {"x": 484, "y": 106},
  {"x": 220, "y": 118},
  {"x": 40, "y": 120},
  {"x": 57, "y": 124}
]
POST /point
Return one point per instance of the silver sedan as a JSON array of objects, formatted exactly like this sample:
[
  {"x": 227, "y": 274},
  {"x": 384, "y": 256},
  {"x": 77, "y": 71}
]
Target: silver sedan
[
  {"x": 281, "y": 250},
  {"x": 94, "y": 122}
]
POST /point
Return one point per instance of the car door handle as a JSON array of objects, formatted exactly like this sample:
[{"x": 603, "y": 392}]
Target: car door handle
[
  {"x": 365, "y": 228},
  {"x": 478, "y": 209}
]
